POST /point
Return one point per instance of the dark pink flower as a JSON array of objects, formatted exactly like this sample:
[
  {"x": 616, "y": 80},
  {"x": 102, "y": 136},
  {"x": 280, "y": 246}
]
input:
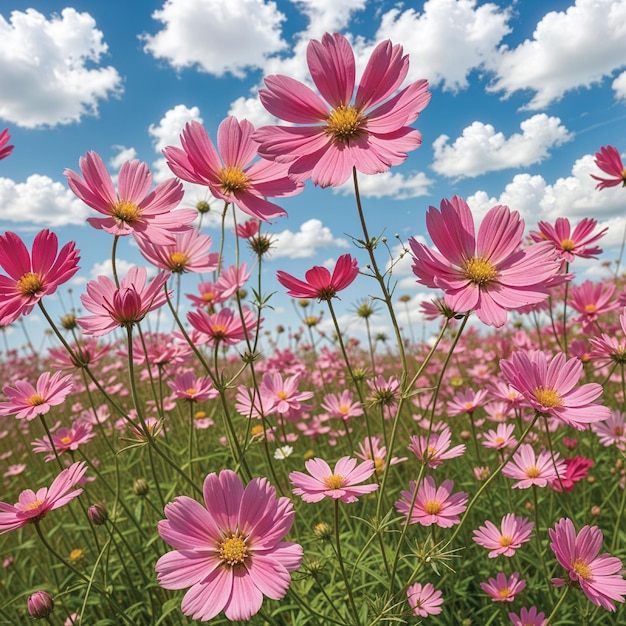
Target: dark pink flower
[
  {"x": 513, "y": 532},
  {"x": 568, "y": 244},
  {"x": 575, "y": 470},
  {"x": 424, "y": 600},
  {"x": 599, "y": 576},
  {"x": 371, "y": 135},
  {"x": 230, "y": 552},
  {"x": 225, "y": 327},
  {"x": 503, "y": 589},
  {"x": 338, "y": 484},
  {"x": 318, "y": 281},
  {"x": 592, "y": 300},
  {"x": 229, "y": 174},
  {"x": 30, "y": 278},
  {"x": 486, "y": 273},
  {"x": 5, "y": 149},
  {"x": 609, "y": 161},
  {"x": 528, "y": 617}
]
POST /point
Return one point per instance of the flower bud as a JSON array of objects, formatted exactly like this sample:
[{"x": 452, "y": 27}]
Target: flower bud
[
  {"x": 98, "y": 515},
  {"x": 40, "y": 605},
  {"x": 140, "y": 487}
]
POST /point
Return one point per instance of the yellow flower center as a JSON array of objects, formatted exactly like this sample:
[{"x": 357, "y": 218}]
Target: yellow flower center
[
  {"x": 548, "y": 397},
  {"x": 504, "y": 593},
  {"x": 432, "y": 507},
  {"x": 568, "y": 245},
  {"x": 344, "y": 408},
  {"x": 379, "y": 464},
  {"x": 32, "y": 505},
  {"x": 582, "y": 569},
  {"x": 178, "y": 262},
  {"x": 200, "y": 415},
  {"x": 77, "y": 554},
  {"x": 192, "y": 391},
  {"x": 505, "y": 541},
  {"x": 219, "y": 331},
  {"x": 233, "y": 179},
  {"x": 125, "y": 212},
  {"x": 431, "y": 453},
  {"x": 499, "y": 441},
  {"x": 208, "y": 297},
  {"x": 36, "y": 400},
  {"x": 533, "y": 472},
  {"x": 257, "y": 430},
  {"x": 345, "y": 123},
  {"x": 334, "y": 482},
  {"x": 480, "y": 271},
  {"x": 29, "y": 284},
  {"x": 590, "y": 308},
  {"x": 65, "y": 440},
  {"x": 233, "y": 550},
  {"x": 281, "y": 395}
]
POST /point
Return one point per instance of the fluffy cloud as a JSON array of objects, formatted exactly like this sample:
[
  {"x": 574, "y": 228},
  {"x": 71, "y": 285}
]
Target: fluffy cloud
[
  {"x": 327, "y": 16},
  {"x": 570, "y": 49},
  {"x": 47, "y": 68},
  {"x": 252, "y": 110},
  {"x": 42, "y": 201},
  {"x": 619, "y": 87},
  {"x": 106, "y": 268},
  {"x": 217, "y": 37},
  {"x": 123, "y": 154},
  {"x": 304, "y": 244},
  {"x": 481, "y": 149},
  {"x": 397, "y": 186},
  {"x": 167, "y": 131}
]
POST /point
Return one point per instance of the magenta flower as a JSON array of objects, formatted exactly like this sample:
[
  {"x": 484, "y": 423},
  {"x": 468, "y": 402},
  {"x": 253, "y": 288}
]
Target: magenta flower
[
  {"x": 225, "y": 327},
  {"x": 318, "y": 281},
  {"x": 571, "y": 244},
  {"x": 549, "y": 385},
  {"x": 229, "y": 175},
  {"x": 575, "y": 470},
  {"x": 435, "y": 449},
  {"x": 513, "y": 532},
  {"x": 528, "y": 617},
  {"x": 424, "y": 600},
  {"x": 26, "y": 401},
  {"x": 338, "y": 484},
  {"x": 599, "y": 576},
  {"x": 609, "y": 161},
  {"x": 124, "y": 306},
  {"x": 592, "y": 300},
  {"x": 433, "y": 505},
  {"x": 34, "y": 506},
  {"x": 30, "y": 278},
  {"x": 133, "y": 208},
  {"x": 489, "y": 273},
  {"x": 503, "y": 589},
  {"x": 230, "y": 553},
  {"x": 371, "y": 135},
  {"x": 5, "y": 149},
  {"x": 530, "y": 469}
]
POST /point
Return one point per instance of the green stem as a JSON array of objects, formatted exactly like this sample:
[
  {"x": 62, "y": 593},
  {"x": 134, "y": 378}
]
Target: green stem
[{"x": 355, "y": 612}]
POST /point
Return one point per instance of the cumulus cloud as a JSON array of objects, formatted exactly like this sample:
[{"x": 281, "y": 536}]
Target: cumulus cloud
[
  {"x": 167, "y": 131},
  {"x": 106, "y": 268},
  {"x": 216, "y": 37},
  {"x": 569, "y": 49},
  {"x": 481, "y": 149},
  {"x": 252, "y": 110},
  {"x": 398, "y": 186},
  {"x": 327, "y": 16},
  {"x": 47, "y": 68},
  {"x": 619, "y": 86},
  {"x": 123, "y": 154},
  {"x": 40, "y": 200},
  {"x": 305, "y": 243}
]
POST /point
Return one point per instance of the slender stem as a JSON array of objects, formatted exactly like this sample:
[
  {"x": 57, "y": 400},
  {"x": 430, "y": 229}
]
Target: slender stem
[
  {"x": 557, "y": 606},
  {"x": 355, "y": 612}
]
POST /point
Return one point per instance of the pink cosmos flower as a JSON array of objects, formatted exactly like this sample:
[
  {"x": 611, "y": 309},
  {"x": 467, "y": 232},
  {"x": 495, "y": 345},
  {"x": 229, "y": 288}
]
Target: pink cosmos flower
[
  {"x": 64, "y": 440},
  {"x": 608, "y": 349},
  {"x": 34, "y": 506},
  {"x": 612, "y": 431},
  {"x": 575, "y": 470},
  {"x": 342, "y": 405},
  {"x": 370, "y": 449},
  {"x": 230, "y": 553},
  {"x": 513, "y": 532},
  {"x": 503, "y": 589},
  {"x": 500, "y": 438},
  {"x": 530, "y": 469},
  {"x": 133, "y": 208},
  {"x": 466, "y": 401},
  {"x": 232, "y": 279},
  {"x": 183, "y": 252},
  {"x": 424, "y": 600},
  {"x": 188, "y": 386},
  {"x": 225, "y": 327},
  {"x": 592, "y": 301},
  {"x": 599, "y": 576},
  {"x": 432, "y": 505},
  {"x": 5, "y": 149},
  {"x": 609, "y": 161},
  {"x": 528, "y": 617},
  {"x": 248, "y": 229},
  {"x": 318, "y": 281},
  {"x": 570, "y": 244},
  {"x": 488, "y": 273},
  {"x": 338, "y": 484},
  {"x": 210, "y": 294},
  {"x": 124, "y": 307},
  {"x": 371, "y": 135},
  {"x": 435, "y": 449},
  {"x": 26, "y": 401},
  {"x": 282, "y": 396},
  {"x": 30, "y": 278},
  {"x": 549, "y": 385},
  {"x": 229, "y": 175}
]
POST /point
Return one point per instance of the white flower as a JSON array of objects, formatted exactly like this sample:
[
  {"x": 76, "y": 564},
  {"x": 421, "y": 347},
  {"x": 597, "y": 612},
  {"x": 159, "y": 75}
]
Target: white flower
[{"x": 282, "y": 453}]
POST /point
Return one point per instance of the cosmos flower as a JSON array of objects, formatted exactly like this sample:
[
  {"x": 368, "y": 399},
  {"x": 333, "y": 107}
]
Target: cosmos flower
[
  {"x": 530, "y": 469},
  {"x": 188, "y": 386},
  {"x": 610, "y": 162},
  {"x": 567, "y": 243},
  {"x": 435, "y": 449},
  {"x": 503, "y": 589},
  {"x": 598, "y": 575},
  {"x": 370, "y": 449},
  {"x": 575, "y": 470},
  {"x": 342, "y": 405},
  {"x": 225, "y": 327},
  {"x": 281, "y": 396},
  {"x": 64, "y": 440},
  {"x": 513, "y": 532},
  {"x": 372, "y": 134},
  {"x": 229, "y": 552},
  {"x": 528, "y": 617},
  {"x": 5, "y": 149},
  {"x": 590, "y": 301},
  {"x": 425, "y": 600}
]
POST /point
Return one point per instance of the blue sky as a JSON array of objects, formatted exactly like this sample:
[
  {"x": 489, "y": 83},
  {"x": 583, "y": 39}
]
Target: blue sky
[{"x": 523, "y": 94}]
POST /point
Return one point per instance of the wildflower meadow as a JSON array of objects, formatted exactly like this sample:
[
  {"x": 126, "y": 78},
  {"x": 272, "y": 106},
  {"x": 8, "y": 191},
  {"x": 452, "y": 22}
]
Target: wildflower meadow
[{"x": 213, "y": 468}]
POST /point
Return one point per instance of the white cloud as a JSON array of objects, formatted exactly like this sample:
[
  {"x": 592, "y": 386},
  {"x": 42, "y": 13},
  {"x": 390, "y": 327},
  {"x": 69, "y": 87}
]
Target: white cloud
[
  {"x": 327, "y": 16},
  {"x": 106, "y": 269},
  {"x": 47, "y": 68},
  {"x": 40, "y": 200},
  {"x": 305, "y": 243},
  {"x": 619, "y": 86},
  {"x": 252, "y": 110},
  {"x": 570, "y": 49},
  {"x": 216, "y": 37},
  {"x": 167, "y": 131},
  {"x": 123, "y": 154},
  {"x": 398, "y": 186},
  {"x": 481, "y": 149}
]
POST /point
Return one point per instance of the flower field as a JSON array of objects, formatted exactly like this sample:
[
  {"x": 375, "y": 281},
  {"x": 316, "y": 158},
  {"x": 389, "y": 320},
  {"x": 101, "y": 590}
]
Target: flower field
[{"x": 224, "y": 470}]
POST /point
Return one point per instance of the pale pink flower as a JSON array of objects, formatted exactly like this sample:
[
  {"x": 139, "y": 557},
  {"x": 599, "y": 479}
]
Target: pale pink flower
[
  {"x": 225, "y": 327},
  {"x": 210, "y": 294},
  {"x": 424, "y": 600},
  {"x": 123, "y": 307},
  {"x": 34, "y": 506},
  {"x": 14, "y": 470},
  {"x": 466, "y": 401},
  {"x": 612, "y": 431},
  {"x": 592, "y": 301},
  {"x": 26, "y": 401},
  {"x": 608, "y": 349},
  {"x": 571, "y": 244},
  {"x": 433, "y": 505},
  {"x": 609, "y": 161},
  {"x": 549, "y": 385},
  {"x": 342, "y": 405},
  {"x": 231, "y": 553},
  {"x": 486, "y": 273},
  {"x": 64, "y": 440},
  {"x": 371, "y": 135},
  {"x": 500, "y": 438},
  {"x": 528, "y": 617},
  {"x": 513, "y": 532},
  {"x": 133, "y": 208},
  {"x": 281, "y": 396},
  {"x": 229, "y": 175},
  {"x": 188, "y": 386},
  {"x": 342, "y": 483},
  {"x": 232, "y": 279},
  {"x": 31, "y": 277},
  {"x": 5, "y": 149},
  {"x": 370, "y": 449},
  {"x": 435, "y": 449},
  {"x": 529, "y": 469},
  {"x": 503, "y": 589},
  {"x": 598, "y": 575}
]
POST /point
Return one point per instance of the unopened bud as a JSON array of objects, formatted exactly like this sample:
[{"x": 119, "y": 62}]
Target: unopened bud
[
  {"x": 140, "y": 487},
  {"x": 40, "y": 605}
]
